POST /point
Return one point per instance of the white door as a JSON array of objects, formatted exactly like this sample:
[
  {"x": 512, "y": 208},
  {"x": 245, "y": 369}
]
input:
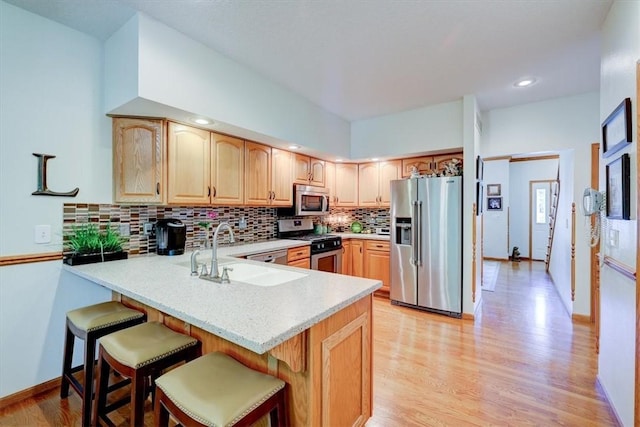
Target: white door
[{"x": 540, "y": 196}]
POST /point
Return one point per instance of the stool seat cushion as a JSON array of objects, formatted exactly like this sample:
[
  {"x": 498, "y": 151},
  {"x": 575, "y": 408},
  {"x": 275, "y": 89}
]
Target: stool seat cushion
[
  {"x": 143, "y": 344},
  {"x": 102, "y": 315},
  {"x": 217, "y": 390}
]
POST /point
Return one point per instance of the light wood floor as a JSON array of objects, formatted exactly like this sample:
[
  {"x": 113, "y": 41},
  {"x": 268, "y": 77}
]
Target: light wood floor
[{"x": 523, "y": 362}]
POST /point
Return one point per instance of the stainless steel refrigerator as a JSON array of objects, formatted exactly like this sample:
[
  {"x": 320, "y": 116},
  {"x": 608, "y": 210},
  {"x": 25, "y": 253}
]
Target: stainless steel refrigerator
[{"x": 426, "y": 244}]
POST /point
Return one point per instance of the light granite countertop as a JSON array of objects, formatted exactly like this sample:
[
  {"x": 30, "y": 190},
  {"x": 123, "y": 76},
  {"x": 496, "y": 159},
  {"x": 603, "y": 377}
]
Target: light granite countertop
[
  {"x": 364, "y": 236},
  {"x": 255, "y": 317}
]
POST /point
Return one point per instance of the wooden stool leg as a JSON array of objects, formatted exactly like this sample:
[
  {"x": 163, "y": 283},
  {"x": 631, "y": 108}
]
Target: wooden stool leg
[
  {"x": 87, "y": 391},
  {"x": 277, "y": 414},
  {"x": 101, "y": 389},
  {"x": 160, "y": 412},
  {"x": 69, "y": 340},
  {"x": 137, "y": 398}
]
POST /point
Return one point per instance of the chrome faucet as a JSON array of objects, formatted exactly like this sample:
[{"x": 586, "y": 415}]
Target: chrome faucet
[
  {"x": 194, "y": 262},
  {"x": 215, "y": 274}
]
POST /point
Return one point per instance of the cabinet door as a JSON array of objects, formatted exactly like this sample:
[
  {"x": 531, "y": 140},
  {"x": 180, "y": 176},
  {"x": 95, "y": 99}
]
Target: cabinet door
[
  {"x": 330, "y": 181},
  {"x": 357, "y": 258},
  {"x": 301, "y": 263},
  {"x": 346, "y": 184},
  {"x": 281, "y": 186},
  {"x": 189, "y": 162},
  {"x": 423, "y": 164},
  {"x": 138, "y": 161},
  {"x": 368, "y": 184},
  {"x": 227, "y": 170},
  {"x": 258, "y": 174},
  {"x": 346, "y": 257},
  {"x": 316, "y": 171},
  {"x": 301, "y": 169},
  {"x": 388, "y": 171},
  {"x": 376, "y": 263},
  {"x": 443, "y": 159}
]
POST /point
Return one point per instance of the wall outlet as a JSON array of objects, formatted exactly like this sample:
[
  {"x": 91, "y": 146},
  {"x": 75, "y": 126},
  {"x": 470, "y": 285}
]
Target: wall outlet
[
  {"x": 147, "y": 228},
  {"x": 125, "y": 229},
  {"x": 614, "y": 238},
  {"x": 242, "y": 224},
  {"x": 42, "y": 234}
]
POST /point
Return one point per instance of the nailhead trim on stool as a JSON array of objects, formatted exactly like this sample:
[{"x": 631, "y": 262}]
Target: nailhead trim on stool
[
  {"x": 89, "y": 324},
  {"x": 217, "y": 390},
  {"x": 138, "y": 353}
]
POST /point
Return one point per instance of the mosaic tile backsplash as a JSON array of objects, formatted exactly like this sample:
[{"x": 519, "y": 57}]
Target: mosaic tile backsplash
[{"x": 261, "y": 222}]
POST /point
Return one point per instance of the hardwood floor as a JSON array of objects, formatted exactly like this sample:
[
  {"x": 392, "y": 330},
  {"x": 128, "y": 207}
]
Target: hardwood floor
[{"x": 523, "y": 362}]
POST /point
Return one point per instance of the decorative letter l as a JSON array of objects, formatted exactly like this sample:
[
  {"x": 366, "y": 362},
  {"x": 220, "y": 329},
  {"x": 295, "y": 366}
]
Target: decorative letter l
[{"x": 42, "y": 179}]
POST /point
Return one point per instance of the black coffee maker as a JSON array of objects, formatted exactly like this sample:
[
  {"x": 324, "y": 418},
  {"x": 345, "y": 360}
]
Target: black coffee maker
[{"x": 171, "y": 235}]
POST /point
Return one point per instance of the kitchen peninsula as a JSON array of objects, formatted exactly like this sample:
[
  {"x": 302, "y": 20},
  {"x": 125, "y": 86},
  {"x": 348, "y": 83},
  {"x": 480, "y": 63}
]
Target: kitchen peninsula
[{"x": 315, "y": 332}]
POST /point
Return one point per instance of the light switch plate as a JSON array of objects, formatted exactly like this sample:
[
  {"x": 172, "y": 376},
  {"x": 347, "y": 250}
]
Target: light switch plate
[{"x": 42, "y": 234}]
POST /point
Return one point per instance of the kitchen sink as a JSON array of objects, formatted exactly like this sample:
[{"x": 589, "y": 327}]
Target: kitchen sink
[{"x": 260, "y": 275}]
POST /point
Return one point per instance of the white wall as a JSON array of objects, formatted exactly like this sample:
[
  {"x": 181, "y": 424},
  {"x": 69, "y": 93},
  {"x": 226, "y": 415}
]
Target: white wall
[
  {"x": 50, "y": 80},
  {"x": 520, "y": 174},
  {"x": 620, "y": 51},
  {"x": 176, "y": 71},
  {"x": 430, "y": 128},
  {"x": 496, "y": 236},
  {"x": 569, "y": 123}
]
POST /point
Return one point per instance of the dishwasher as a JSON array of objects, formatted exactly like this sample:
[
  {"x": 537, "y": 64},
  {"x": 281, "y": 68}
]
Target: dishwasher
[{"x": 274, "y": 257}]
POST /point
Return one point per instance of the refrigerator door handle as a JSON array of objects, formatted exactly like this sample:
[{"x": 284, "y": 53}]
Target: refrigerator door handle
[
  {"x": 419, "y": 234},
  {"x": 414, "y": 233}
]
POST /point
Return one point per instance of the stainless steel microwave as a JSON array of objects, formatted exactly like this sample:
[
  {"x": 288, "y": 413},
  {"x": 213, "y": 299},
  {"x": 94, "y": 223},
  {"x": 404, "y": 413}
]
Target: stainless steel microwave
[{"x": 310, "y": 200}]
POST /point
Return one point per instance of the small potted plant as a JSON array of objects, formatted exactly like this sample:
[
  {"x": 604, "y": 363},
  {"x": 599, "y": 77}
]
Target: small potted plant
[{"x": 87, "y": 244}]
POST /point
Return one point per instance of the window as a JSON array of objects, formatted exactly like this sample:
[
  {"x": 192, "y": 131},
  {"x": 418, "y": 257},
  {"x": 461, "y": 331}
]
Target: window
[{"x": 541, "y": 206}]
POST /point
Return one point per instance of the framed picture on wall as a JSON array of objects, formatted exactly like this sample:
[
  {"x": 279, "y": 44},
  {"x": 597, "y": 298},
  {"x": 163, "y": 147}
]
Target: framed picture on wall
[
  {"x": 479, "y": 198},
  {"x": 618, "y": 188},
  {"x": 494, "y": 203},
  {"x": 616, "y": 129},
  {"x": 479, "y": 168},
  {"x": 494, "y": 190}
]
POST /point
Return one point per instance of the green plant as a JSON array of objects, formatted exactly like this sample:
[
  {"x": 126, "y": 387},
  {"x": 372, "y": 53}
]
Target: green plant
[{"x": 87, "y": 239}]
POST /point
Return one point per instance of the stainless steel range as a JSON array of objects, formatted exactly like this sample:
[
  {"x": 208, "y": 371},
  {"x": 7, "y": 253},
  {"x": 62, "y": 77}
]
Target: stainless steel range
[{"x": 326, "y": 249}]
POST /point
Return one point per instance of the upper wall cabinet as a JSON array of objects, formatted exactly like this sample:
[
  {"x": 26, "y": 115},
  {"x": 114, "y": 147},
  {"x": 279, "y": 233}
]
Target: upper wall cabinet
[
  {"x": 427, "y": 165},
  {"x": 307, "y": 170},
  {"x": 189, "y": 164},
  {"x": 227, "y": 170},
  {"x": 139, "y": 169},
  {"x": 374, "y": 189},
  {"x": 346, "y": 185},
  {"x": 330, "y": 181},
  {"x": 268, "y": 176}
]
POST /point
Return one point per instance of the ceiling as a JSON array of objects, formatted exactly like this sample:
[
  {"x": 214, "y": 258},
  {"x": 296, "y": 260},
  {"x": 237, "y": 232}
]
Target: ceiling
[{"x": 366, "y": 58}]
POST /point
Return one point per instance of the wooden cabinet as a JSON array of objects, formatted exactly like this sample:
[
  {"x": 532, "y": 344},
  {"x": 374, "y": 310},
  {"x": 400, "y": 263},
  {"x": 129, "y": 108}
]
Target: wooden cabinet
[
  {"x": 330, "y": 181},
  {"x": 374, "y": 188},
  {"x": 357, "y": 258},
  {"x": 346, "y": 183},
  {"x": 189, "y": 165},
  {"x": 227, "y": 170},
  {"x": 268, "y": 176},
  {"x": 428, "y": 165},
  {"x": 307, "y": 170},
  {"x": 376, "y": 263},
  {"x": 299, "y": 257},
  {"x": 139, "y": 155},
  {"x": 346, "y": 257}
]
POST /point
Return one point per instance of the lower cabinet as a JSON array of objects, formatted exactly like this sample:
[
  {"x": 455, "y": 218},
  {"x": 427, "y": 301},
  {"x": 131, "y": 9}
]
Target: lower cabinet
[
  {"x": 299, "y": 257},
  {"x": 346, "y": 257},
  {"x": 376, "y": 263},
  {"x": 357, "y": 258}
]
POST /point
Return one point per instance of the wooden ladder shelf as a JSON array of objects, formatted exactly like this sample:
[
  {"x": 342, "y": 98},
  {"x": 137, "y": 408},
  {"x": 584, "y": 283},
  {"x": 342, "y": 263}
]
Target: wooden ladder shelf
[{"x": 555, "y": 194}]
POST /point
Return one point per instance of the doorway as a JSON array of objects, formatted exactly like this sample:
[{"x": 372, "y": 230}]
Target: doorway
[{"x": 539, "y": 211}]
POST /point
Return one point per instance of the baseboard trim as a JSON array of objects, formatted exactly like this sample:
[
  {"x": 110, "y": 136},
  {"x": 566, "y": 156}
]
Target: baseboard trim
[
  {"x": 468, "y": 316},
  {"x": 30, "y": 392},
  {"x": 490, "y": 258},
  {"x": 606, "y": 395}
]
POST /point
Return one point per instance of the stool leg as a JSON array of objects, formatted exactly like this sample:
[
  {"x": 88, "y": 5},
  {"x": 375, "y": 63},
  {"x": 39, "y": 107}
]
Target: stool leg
[
  {"x": 137, "y": 398},
  {"x": 69, "y": 339},
  {"x": 101, "y": 389},
  {"x": 87, "y": 391},
  {"x": 161, "y": 414}
]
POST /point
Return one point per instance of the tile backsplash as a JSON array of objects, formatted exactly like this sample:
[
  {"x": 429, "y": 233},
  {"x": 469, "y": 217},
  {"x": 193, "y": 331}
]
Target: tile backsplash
[{"x": 261, "y": 221}]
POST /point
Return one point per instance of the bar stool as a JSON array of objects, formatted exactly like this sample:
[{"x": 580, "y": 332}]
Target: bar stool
[
  {"x": 90, "y": 323},
  {"x": 217, "y": 390},
  {"x": 138, "y": 353}
]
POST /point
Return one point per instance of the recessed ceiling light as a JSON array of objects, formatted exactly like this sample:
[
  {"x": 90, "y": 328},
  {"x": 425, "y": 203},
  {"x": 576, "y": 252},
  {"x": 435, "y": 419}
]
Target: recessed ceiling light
[
  {"x": 201, "y": 121},
  {"x": 294, "y": 147},
  {"x": 374, "y": 159},
  {"x": 339, "y": 160},
  {"x": 528, "y": 81}
]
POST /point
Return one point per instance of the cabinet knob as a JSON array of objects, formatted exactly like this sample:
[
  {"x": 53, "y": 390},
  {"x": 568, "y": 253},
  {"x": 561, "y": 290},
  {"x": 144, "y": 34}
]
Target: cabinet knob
[
  {"x": 208, "y": 191},
  {"x": 157, "y": 188},
  {"x": 215, "y": 191}
]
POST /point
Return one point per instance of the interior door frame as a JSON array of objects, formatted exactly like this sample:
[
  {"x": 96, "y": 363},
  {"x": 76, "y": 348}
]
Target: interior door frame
[{"x": 531, "y": 184}]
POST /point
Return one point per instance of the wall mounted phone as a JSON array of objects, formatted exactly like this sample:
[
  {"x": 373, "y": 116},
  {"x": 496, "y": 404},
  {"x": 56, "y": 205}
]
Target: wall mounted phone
[{"x": 593, "y": 203}]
